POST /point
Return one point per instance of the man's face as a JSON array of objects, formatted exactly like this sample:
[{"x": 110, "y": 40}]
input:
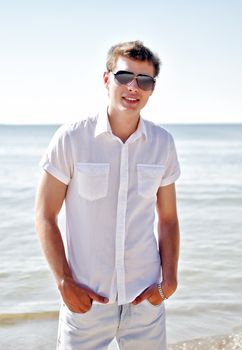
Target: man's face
[{"x": 128, "y": 98}]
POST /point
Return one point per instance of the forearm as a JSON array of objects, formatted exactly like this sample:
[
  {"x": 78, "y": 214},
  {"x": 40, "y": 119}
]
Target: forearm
[
  {"x": 53, "y": 248},
  {"x": 169, "y": 238}
]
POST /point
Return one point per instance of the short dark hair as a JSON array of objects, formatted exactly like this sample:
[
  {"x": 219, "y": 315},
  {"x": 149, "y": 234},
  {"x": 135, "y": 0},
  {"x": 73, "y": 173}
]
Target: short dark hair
[{"x": 135, "y": 50}]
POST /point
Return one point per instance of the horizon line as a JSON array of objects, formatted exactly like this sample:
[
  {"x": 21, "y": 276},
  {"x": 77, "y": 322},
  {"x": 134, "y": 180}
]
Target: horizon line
[{"x": 165, "y": 123}]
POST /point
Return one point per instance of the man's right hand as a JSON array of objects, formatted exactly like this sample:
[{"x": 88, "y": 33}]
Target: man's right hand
[{"x": 78, "y": 298}]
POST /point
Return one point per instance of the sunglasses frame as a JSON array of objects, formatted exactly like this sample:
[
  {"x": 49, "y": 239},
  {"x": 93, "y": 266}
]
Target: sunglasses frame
[{"x": 136, "y": 78}]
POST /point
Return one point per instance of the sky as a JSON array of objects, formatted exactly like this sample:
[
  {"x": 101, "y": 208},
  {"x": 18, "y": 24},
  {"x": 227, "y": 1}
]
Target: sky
[{"x": 52, "y": 58}]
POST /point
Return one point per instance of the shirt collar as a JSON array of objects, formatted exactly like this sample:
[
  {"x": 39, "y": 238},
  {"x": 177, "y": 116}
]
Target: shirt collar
[
  {"x": 140, "y": 131},
  {"x": 103, "y": 126}
]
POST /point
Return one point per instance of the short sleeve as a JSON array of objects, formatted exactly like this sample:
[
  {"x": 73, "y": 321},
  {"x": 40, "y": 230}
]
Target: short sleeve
[
  {"x": 172, "y": 167},
  {"x": 58, "y": 160}
]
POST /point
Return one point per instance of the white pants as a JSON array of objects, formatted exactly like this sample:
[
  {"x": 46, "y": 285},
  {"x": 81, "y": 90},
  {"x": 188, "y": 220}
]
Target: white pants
[{"x": 135, "y": 327}]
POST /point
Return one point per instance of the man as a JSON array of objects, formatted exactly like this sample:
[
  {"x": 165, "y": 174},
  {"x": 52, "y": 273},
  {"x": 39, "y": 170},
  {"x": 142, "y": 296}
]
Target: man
[{"x": 111, "y": 171}]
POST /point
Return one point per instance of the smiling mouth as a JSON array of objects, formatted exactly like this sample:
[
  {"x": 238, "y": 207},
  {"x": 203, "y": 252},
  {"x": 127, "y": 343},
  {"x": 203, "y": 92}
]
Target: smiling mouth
[{"x": 131, "y": 99}]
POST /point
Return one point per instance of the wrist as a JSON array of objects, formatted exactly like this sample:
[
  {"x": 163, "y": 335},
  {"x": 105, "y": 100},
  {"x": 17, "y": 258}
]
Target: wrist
[
  {"x": 162, "y": 294},
  {"x": 63, "y": 281},
  {"x": 168, "y": 287}
]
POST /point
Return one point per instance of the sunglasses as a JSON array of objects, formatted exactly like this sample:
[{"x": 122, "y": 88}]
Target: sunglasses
[{"x": 144, "y": 82}]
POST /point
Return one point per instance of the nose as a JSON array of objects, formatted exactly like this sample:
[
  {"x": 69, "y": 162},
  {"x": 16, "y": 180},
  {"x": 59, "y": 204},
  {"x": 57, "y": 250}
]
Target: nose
[{"x": 133, "y": 86}]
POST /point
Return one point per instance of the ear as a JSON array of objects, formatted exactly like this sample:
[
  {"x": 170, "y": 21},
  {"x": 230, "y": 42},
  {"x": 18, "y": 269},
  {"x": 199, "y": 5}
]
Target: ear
[{"x": 106, "y": 79}]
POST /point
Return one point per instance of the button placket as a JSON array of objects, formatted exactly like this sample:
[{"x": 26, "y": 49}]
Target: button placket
[{"x": 121, "y": 220}]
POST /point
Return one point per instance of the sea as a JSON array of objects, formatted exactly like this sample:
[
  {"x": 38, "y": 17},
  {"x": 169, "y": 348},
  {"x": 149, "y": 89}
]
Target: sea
[{"x": 205, "y": 313}]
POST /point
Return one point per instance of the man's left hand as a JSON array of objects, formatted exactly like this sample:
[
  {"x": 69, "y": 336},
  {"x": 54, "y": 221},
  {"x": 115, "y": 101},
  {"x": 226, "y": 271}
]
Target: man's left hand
[{"x": 152, "y": 294}]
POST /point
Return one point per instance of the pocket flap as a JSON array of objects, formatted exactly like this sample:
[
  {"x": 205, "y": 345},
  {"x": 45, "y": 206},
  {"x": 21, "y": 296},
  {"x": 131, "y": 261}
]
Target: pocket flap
[
  {"x": 151, "y": 170},
  {"x": 93, "y": 168}
]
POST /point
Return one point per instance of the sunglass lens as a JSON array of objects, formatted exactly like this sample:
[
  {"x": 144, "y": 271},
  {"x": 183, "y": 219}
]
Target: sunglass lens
[
  {"x": 124, "y": 77},
  {"x": 145, "y": 82}
]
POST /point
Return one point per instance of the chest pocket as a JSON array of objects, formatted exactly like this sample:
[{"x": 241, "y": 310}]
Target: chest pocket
[
  {"x": 93, "y": 180},
  {"x": 149, "y": 179}
]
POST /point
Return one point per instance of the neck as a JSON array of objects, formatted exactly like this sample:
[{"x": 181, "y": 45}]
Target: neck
[{"x": 123, "y": 124}]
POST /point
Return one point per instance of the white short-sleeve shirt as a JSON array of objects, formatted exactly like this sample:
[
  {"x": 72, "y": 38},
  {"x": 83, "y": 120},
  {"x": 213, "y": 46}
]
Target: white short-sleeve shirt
[{"x": 110, "y": 202}]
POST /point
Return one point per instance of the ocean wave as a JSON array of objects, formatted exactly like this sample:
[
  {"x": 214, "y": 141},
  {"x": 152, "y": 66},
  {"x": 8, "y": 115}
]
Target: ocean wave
[
  {"x": 13, "y": 318},
  {"x": 15, "y": 152},
  {"x": 231, "y": 341}
]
